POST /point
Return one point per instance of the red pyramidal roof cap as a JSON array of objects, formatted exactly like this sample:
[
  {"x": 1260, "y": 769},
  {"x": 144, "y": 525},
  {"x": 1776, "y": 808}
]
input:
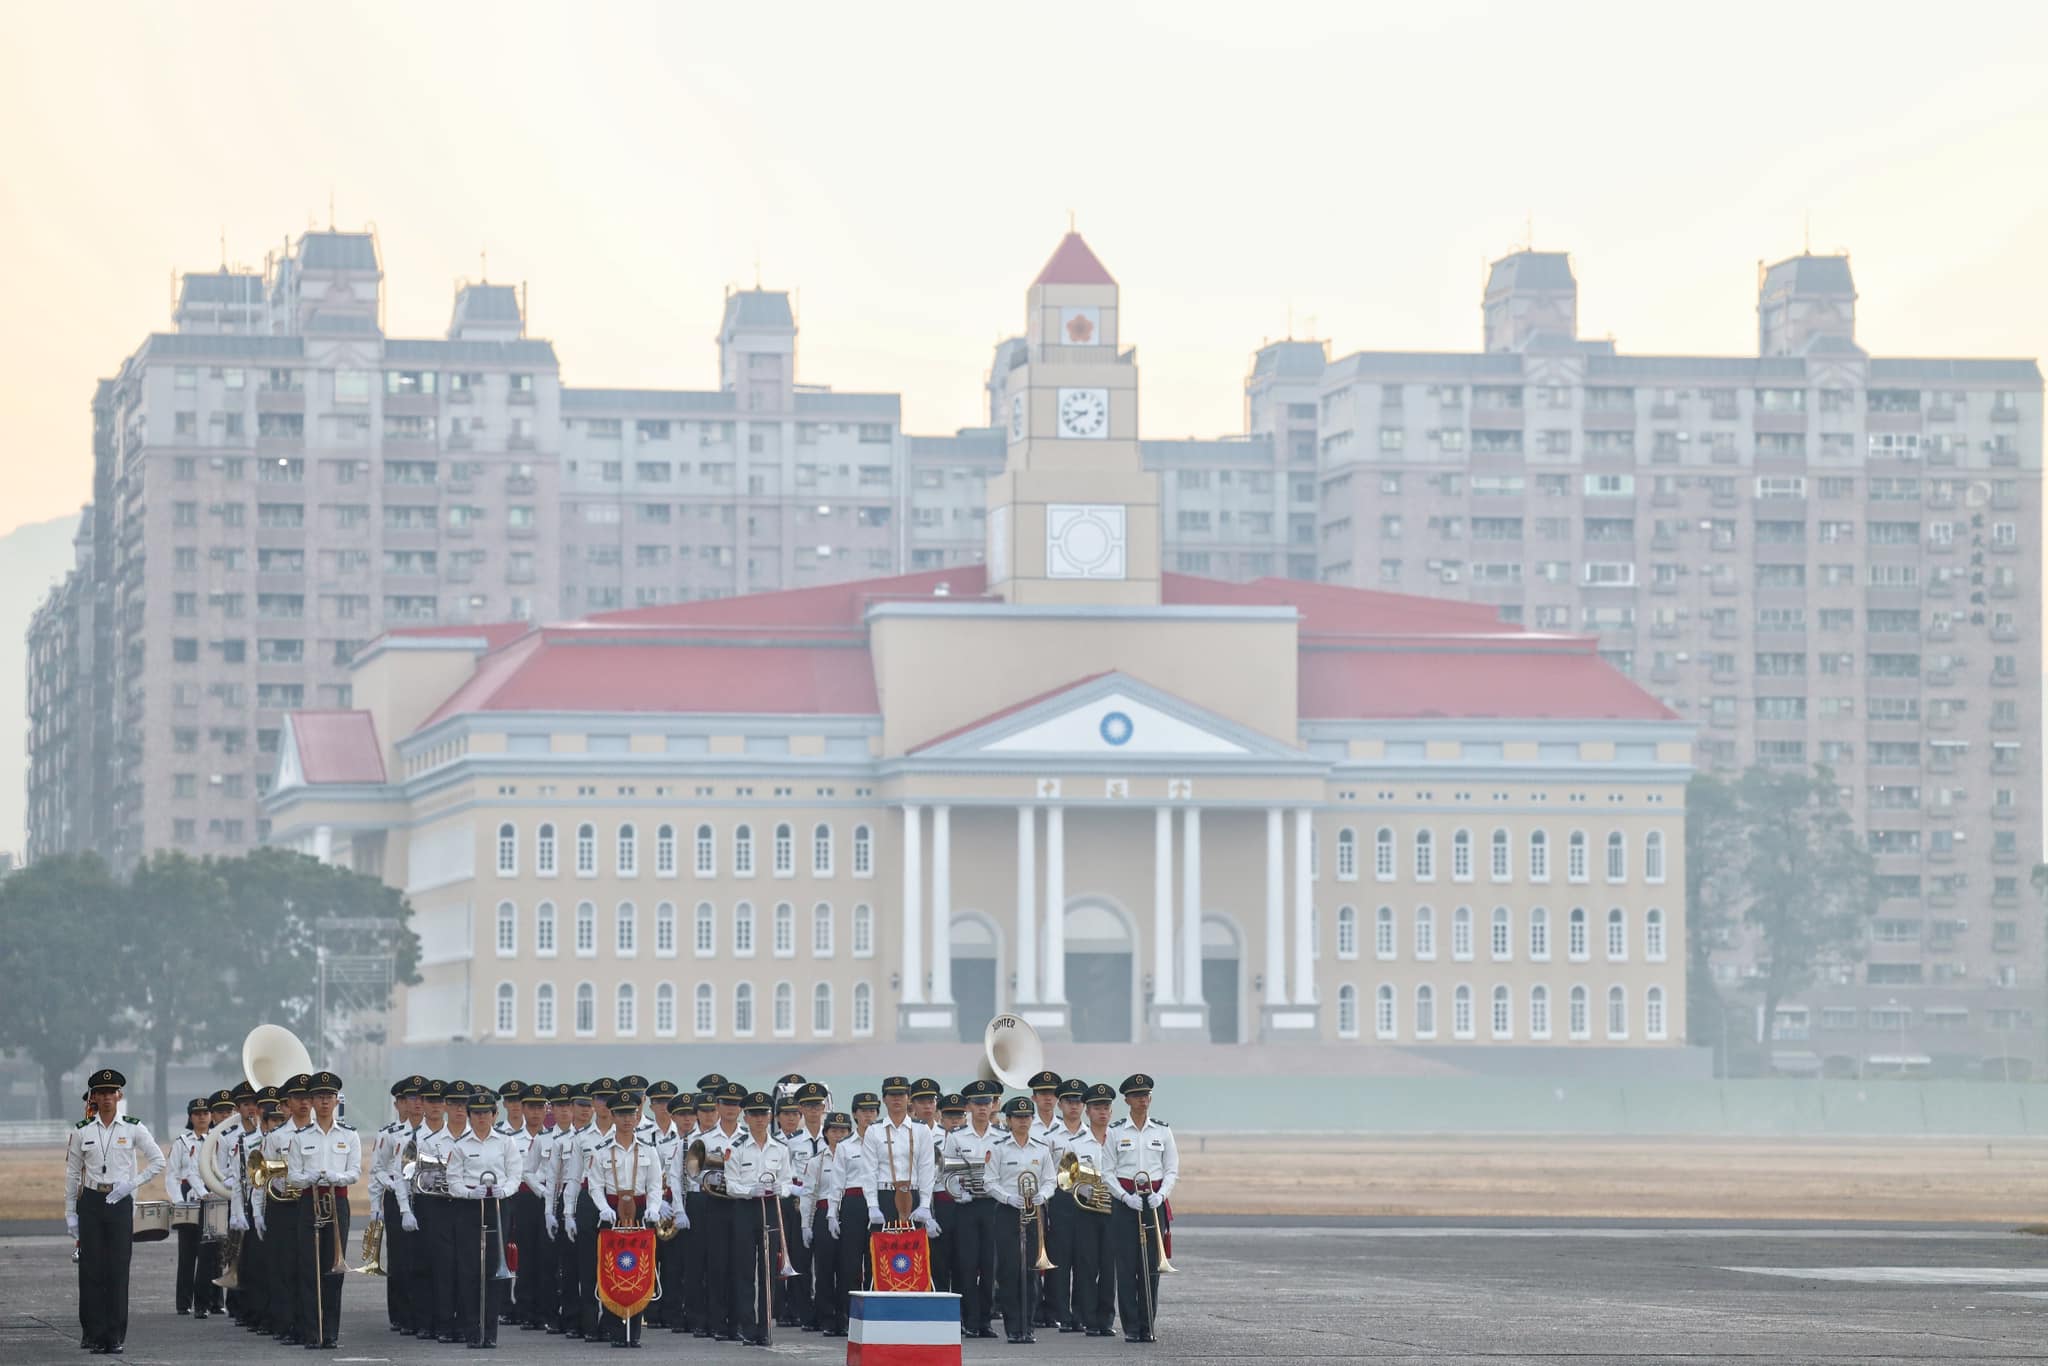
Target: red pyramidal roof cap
[{"x": 1073, "y": 263}]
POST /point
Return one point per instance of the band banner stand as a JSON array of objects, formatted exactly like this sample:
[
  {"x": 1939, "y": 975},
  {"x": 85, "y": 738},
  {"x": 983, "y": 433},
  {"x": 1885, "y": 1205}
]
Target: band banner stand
[{"x": 625, "y": 1270}]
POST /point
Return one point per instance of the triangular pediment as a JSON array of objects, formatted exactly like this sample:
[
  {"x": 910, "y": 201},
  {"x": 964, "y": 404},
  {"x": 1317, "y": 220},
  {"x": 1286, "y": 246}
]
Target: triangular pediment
[
  {"x": 1113, "y": 716},
  {"x": 290, "y": 771}
]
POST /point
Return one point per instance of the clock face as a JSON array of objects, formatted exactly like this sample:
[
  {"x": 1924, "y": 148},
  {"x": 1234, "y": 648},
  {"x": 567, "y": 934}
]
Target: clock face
[
  {"x": 1016, "y": 417},
  {"x": 1084, "y": 413}
]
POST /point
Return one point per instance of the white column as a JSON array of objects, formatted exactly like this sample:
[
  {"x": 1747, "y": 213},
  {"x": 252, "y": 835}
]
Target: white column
[
  {"x": 913, "y": 905},
  {"x": 1276, "y": 909},
  {"x": 942, "y": 905},
  {"x": 1162, "y": 907},
  {"x": 323, "y": 843},
  {"x": 1304, "y": 910},
  {"x": 1191, "y": 906},
  {"x": 1055, "y": 906},
  {"x": 1027, "y": 907}
]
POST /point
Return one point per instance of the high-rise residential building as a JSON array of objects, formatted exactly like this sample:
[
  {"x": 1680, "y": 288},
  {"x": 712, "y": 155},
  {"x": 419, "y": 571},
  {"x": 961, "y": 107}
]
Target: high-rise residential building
[
  {"x": 276, "y": 483},
  {"x": 1814, "y": 554}
]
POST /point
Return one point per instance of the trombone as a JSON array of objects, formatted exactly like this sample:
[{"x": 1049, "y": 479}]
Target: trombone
[
  {"x": 1142, "y": 1188},
  {"x": 1028, "y": 1219},
  {"x": 483, "y": 1249},
  {"x": 324, "y": 1217}
]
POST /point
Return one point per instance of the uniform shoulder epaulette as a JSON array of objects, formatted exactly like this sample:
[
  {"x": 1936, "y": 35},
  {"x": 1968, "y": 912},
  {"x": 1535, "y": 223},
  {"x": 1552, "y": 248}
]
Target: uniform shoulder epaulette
[
  {"x": 344, "y": 1124},
  {"x": 1043, "y": 1144},
  {"x": 1118, "y": 1123},
  {"x": 81, "y": 1123},
  {"x": 130, "y": 1119},
  {"x": 1162, "y": 1124}
]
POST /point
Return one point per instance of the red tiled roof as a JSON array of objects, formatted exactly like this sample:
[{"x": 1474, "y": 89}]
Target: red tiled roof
[
  {"x": 999, "y": 713},
  {"x": 1327, "y": 609},
  {"x": 338, "y": 747},
  {"x": 492, "y": 633},
  {"x": 1536, "y": 678},
  {"x": 837, "y": 604},
  {"x": 1072, "y": 263}
]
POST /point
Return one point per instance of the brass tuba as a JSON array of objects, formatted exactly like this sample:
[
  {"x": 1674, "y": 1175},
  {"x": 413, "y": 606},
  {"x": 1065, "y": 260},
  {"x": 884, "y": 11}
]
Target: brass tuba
[
  {"x": 1010, "y": 1052},
  {"x": 272, "y": 1055},
  {"x": 373, "y": 1250},
  {"x": 1079, "y": 1178},
  {"x": 209, "y": 1162},
  {"x": 263, "y": 1171}
]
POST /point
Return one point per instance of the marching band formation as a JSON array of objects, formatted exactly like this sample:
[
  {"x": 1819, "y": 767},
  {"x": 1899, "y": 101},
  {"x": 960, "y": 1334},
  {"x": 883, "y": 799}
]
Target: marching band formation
[{"x": 602, "y": 1209}]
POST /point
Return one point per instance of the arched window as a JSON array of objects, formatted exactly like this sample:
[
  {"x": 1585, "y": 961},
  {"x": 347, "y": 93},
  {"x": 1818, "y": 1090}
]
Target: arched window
[
  {"x": 586, "y": 929},
  {"x": 1503, "y": 1014},
  {"x": 1653, "y": 856},
  {"x": 1425, "y": 1012},
  {"x": 863, "y": 1009},
  {"x": 863, "y": 851},
  {"x": 1575, "y": 856},
  {"x": 1539, "y": 1012},
  {"x": 1617, "y": 1013},
  {"x": 1617, "y": 935},
  {"x": 1653, "y": 935},
  {"x": 508, "y": 929},
  {"x": 785, "y": 851},
  {"x": 1461, "y": 1012},
  {"x": 626, "y": 930},
  {"x": 1461, "y": 933},
  {"x": 821, "y": 930},
  {"x": 821, "y": 1010},
  {"x": 704, "y": 1018},
  {"x": 1653, "y": 1013},
  {"x": 704, "y": 931},
  {"x": 629, "y": 851},
  {"x": 1347, "y": 1011},
  {"x": 544, "y": 929},
  {"x": 1383, "y": 932},
  {"x": 785, "y": 930},
  {"x": 1461, "y": 856},
  {"x": 1539, "y": 856},
  {"x": 1617, "y": 857},
  {"x": 1347, "y": 854},
  {"x": 508, "y": 849},
  {"x": 1575, "y": 935},
  {"x": 707, "y": 852},
  {"x": 783, "y": 1020},
  {"x": 665, "y": 1010},
  {"x": 743, "y": 1009},
  {"x": 1503, "y": 944},
  {"x": 1425, "y": 856},
  {"x": 1425, "y": 932},
  {"x": 625, "y": 1011},
  {"x": 743, "y": 930},
  {"x": 586, "y": 1008},
  {"x": 1383, "y": 854},
  {"x": 586, "y": 850},
  {"x": 544, "y": 1010},
  {"x": 1383, "y": 1021},
  {"x": 863, "y": 932},
  {"x": 1539, "y": 934},
  {"x": 1580, "y": 1028},
  {"x": 664, "y": 851},
  {"x": 665, "y": 930},
  {"x": 1503, "y": 859},
  {"x": 821, "y": 850},
  {"x": 1347, "y": 932},
  {"x": 743, "y": 851},
  {"x": 507, "y": 1023},
  {"x": 544, "y": 849}
]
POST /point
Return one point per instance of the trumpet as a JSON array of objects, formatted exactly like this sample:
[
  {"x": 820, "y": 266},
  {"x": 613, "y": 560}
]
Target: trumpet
[
  {"x": 1079, "y": 1178},
  {"x": 373, "y": 1250}
]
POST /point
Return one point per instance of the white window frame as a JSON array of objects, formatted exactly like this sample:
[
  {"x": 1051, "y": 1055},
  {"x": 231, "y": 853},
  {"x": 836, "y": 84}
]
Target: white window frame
[
  {"x": 782, "y": 930},
  {"x": 1539, "y": 934},
  {"x": 544, "y": 1017},
  {"x": 586, "y": 929},
  {"x": 585, "y": 995},
  {"x": 1425, "y": 1011},
  {"x": 1425, "y": 856},
  {"x": 1653, "y": 857},
  {"x": 1386, "y": 935},
  {"x": 665, "y": 929},
  {"x": 704, "y": 931},
  {"x": 505, "y": 1013},
  {"x": 547, "y": 931},
  {"x": 508, "y": 849},
  {"x": 784, "y": 850},
  {"x": 586, "y": 850},
  {"x": 824, "y": 933},
  {"x": 1461, "y": 856},
  {"x": 1578, "y": 935},
  {"x": 626, "y": 930},
  {"x": 1617, "y": 1009},
  {"x": 1579, "y": 1013},
  {"x": 745, "y": 1010},
  {"x": 1501, "y": 1012},
  {"x": 1385, "y": 855},
  {"x": 782, "y": 1010},
  {"x": 1461, "y": 934},
  {"x": 863, "y": 851},
  {"x": 1464, "y": 1018},
  {"x": 1386, "y": 1019},
  {"x": 1539, "y": 856},
  {"x": 1614, "y": 934},
  {"x": 1655, "y": 949},
  {"x": 1539, "y": 1011},
  {"x": 1576, "y": 866},
  {"x": 863, "y": 935},
  {"x": 1501, "y": 856},
  {"x": 545, "y": 850},
  {"x": 1347, "y": 855},
  {"x": 821, "y": 850},
  {"x": 627, "y": 850},
  {"x": 863, "y": 1010},
  {"x": 744, "y": 938},
  {"x": 664, "y": 1000},
  {"x": 1347, "y": 1011},
  {"x": 703, "y": 1011},
  {"x": 625, "y": 1011},
  {"x": 664, "y": 850},
  {"x": 1617, "y": 857},
  {"x": 506, "y": 935},
  {"x": 706, "y": 855},
  {"x": 1347, "y": 932},
  {"x": 1656, "y": 1022},
  {"x": 743, "y": 850},
  {"x": 1500, "y": 936},
  {"x": 1425, "y": 934}
]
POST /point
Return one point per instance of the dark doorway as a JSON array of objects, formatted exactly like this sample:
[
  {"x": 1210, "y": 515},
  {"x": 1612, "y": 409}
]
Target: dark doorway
[
  {"x": 974, "y": 996},
  {"x": 1219, "y": 989},
  {"x": 1099, "y": 996}
]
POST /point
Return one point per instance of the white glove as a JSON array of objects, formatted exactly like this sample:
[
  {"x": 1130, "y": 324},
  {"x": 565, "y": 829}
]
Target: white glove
[
  {"x": 874, "y": 1218},
  {"x": 682, "y": 1216},
  {"x": 409, "y": 1222},
  {"x": 655, "y": 1210},
  {"x": 832, "y": 1222},
  {"x": 929, "y": 1220},
  {"x": 237, "y": 1221},
  {"x": 1133, "y": 1201},
  {"x": 261, "y": 1231},
  {"x": 121, "y": 1191},
  {"x": 71, "y": 1224},
  {"x": 550, "y": 1221},
  {"x": 569, "y": 1226},
  {"x": 607, "y": 1216}
]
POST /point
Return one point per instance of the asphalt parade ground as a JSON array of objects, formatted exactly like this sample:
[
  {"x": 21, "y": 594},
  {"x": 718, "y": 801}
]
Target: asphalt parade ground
[{"x": 1310, "y": 1290}]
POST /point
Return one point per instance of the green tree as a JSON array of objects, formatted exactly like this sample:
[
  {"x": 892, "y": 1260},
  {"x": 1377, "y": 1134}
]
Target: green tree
[
  {"x": 57, "y": 923},
  {"x": 1713, "y": 897},
  {"x": 178, "y": 948}
]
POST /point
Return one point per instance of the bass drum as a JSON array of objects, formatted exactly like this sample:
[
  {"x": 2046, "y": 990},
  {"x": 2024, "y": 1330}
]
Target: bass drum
[{"x": 152, "y": 1220}]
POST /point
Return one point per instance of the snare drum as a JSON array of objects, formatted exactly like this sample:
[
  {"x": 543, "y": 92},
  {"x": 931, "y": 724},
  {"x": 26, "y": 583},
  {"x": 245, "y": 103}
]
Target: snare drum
[
  {"x": 185, "y": 1214},
  {"x": 213, "y": 1219},
  {"x": 152, "y": 1220}
]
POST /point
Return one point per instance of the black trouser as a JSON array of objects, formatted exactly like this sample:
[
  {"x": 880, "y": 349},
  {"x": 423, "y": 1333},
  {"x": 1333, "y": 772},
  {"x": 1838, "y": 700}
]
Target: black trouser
[
  {"x": 1131, "y": 1284},
  {"x": 316, "y": 1289},
  {"x": 696, "y": 1285},
  {"x": 198, "y": 1264},
  {"x": 106, "y": 1244},
  {"x": 748, "y": 1289},
  {"x": 397, "y": 1268},
  {"x": 1016, "y": 1284},
  {"x": 942, "y": 1244},
  {"x": 670, "y": 1257},
  {"x": 974, "y": 1260},
  {"x": 435, "y": 1312},
  {"x": 714, "y": 1233},
  {"x": 853, "y": 1257},
  {"x": 536, "y": 1259},
  {"x": 792, "y": 1293},
  {"x": 583, "y": 1315},
  {"x": 824, "y": 1252},
  {"x": 280, "y": 1264},
  {"x": 1094, "y": 1289},
  {"x": 479, "y": 1295},
  {"x": 1056, "y": 1219},
  {"x": 252, "y": 1289}
]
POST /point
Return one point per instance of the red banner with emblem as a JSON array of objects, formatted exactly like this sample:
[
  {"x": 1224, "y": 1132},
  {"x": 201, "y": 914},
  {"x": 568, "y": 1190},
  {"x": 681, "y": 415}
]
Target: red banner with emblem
[
  {"x": 625, "y": 1270},
  {"x": 903, "y": 1259}
]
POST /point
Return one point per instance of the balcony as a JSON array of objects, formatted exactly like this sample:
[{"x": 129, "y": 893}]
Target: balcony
[
  {"x": 520, "y": 484},
  {"x": 1664, "y": 630},
  {"x": 2005, "y": 414},
  {"x": 1781, "y": 422}
]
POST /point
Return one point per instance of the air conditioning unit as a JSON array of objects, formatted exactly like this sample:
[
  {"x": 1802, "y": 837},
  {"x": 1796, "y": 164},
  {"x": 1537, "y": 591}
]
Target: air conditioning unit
[
  {"x": 214, "y": 780},
  {"x": 1451, "y": 576},
  {"x": 218, "y": 463}
]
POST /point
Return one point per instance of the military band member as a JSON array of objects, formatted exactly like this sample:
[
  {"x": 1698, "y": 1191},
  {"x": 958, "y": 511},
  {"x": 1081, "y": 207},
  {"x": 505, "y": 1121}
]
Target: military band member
[
  {"x": 509, "y": 1125},
  {"x": 483, "y": 1167},
  {"x": 1138, "y": 1144},
  {"x": 624, "y": 1177},
  {"x": 323, "y": 1161},
  {"x": 258, "y": 1253},
  {"x": 1016, "y": 1155},
  {"x": 529, "y": 1224},
  {"x": 429, "y": 1218},
  {"x": 756, "y": 1176},
  {"x": 902, "y": 1153},
  {"x": 952, "y": 1112},
  {"x": 547, "y": 1288},
  {"x": 1093, "y": 1304},
  {"x": 704, "y": 1240},
  {"x": 1045, "y": 1087},
  {"x": 576, "y": 1209},
  {"x": 1069, "y": 1125},
  {"x": 596, "y": 1135},
  {"x": 387, "y": 1173},
  {"x": 107, "y": 1157},
  {"x": 852, "y": 1200},
  {"x": 245, "y": 1301},
  {"x": 787, "y": 1128},
  {"x": 220, "y": 1108},
  {"x": 717, "y": 1229},
  {"x": 182, "y": 1185},
  {"x": 666, "y": 1134},
  {"x": 281, "y": 1214},
  {"x": 806, "y": 1149},
  {"x": 818, "y": 1237},
  {"x": 974, "y": 1216}
]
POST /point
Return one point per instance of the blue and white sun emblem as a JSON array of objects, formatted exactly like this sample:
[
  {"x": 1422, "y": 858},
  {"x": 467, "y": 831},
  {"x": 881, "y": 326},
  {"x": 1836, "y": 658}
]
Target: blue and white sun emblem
[
  {"x": 900, "y": 1263},
  {"x": 628, "y": 1261},
  {"x": 1116, "y": 728}
]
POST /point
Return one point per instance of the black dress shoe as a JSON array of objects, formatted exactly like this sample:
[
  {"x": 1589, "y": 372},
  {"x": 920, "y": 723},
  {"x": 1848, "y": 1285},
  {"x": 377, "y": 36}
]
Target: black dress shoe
[
  {"x": 115, "y": 1350},
  {"x": 1071, "y": 1328},
  {"x": 1132, "y": 1337},
  {"x": 1146, "y": 1337}
]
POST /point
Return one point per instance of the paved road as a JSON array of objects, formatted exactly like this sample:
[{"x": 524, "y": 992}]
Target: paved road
[{"x": 1505, "y": 1294}]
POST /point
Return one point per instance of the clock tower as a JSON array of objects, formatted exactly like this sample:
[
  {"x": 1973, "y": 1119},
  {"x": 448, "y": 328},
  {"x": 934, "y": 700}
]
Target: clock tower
[{"x": 1074, "y": 516}]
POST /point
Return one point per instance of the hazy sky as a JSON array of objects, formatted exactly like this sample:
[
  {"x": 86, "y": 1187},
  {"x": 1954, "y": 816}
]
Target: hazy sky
[{"x": 907, "y": 169}]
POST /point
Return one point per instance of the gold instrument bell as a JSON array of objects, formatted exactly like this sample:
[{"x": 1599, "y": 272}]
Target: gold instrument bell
[{"x": 1079, "y": 1178}]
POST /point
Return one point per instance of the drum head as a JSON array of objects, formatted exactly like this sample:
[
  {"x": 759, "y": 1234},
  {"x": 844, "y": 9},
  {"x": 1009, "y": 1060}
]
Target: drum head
[{"x": 152, "y": 1220}]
